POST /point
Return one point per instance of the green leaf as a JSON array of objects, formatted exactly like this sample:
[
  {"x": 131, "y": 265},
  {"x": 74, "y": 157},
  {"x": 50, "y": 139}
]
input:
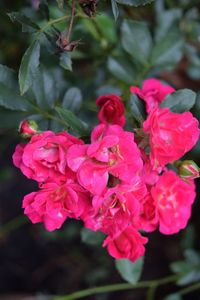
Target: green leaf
[
  {"x": 10, "y": 100},
  {"x": 180, "y": 101},
  {"x": 27, "y": 24},
  {"x": 173, "y": 297},
  {"x": 188, "y": 269},
  {"x": 129, "y": 271},
  {"x": 167, "y": 52},
  {"x": 192, "y": 257},
  {"x": 115, "y": 9},
  {"x": 167, "y": 21},
  {"x": 44, "y": 88},
  {"x": 66, "y": 61},
  {"x": 72, "y": 99},
  {"x": 90, "y": 26},
  {"x": 134, "y": 2},
  {"x": 106, "y": 26},
  {"x": 196, "y": 108},
  {"x": 121, "y": 70},
  {"x": 194, "y": 61},
  {"x": 7, "y": 76},
  {"x": 72, "y": 121},
  {"x": 102, "y": 29},
  {"x": 92, "y": 238},
  {"x": 28, "y": 67},
  {"x": 137, "y": 40},
  {"x": 137, "y": 108}
]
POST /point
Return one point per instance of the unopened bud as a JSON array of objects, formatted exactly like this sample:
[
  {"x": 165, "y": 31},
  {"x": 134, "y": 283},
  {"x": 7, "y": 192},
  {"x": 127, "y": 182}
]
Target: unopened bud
[
  {"x": 27, "y": 128},
  {"x": 188, "y": 169}
]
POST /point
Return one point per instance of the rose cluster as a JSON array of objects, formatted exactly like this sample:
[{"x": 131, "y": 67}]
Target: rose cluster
[{"x": 119, "y": 183}]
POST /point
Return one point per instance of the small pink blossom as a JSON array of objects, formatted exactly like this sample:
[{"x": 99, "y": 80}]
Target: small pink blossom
[
  {"x": 153, "y": 92},
  {"x": 111, "y": 110},
  {"x": 53, "y": 204},
  {"x": 129, "y": 244},
  {"x": 171, "y": 135},
  {"x": 44, "y": 157},
  {"x": 173, "y": 199}
]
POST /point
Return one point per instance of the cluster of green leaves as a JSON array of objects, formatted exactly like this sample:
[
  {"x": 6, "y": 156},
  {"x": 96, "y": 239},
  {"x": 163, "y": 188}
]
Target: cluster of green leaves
[
  {"x": 188, "y": 274},
  {"x": 144, "y": 54},
  {"x": 136, "y": 55},
  {"x": 48, "y": 103}
]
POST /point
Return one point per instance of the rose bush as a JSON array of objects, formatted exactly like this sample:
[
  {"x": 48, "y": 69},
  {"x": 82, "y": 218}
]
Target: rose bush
[
  {"x": 121, "y": 168},
  {"x": 116, "y": 184}
]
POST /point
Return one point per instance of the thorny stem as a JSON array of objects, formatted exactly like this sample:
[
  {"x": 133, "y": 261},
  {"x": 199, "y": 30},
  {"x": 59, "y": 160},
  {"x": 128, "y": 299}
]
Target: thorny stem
[
  {"x": 71, "y": 20},
  {"x": 117, "y": 287}
]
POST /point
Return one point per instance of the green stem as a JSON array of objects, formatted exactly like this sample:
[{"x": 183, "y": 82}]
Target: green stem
[
  {"x": 12, "y": 225},
  {"x": 189, "y": 289},
  {"x": 151, "y": 292},
  {"x": 51, "y": 22},
  {"x": 47, "y": 115},
  {"x": 116, "y": 287}
]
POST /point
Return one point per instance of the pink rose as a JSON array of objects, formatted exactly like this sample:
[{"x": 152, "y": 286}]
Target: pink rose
[
  {"x": 153, "y": 92},
  {"x": 148, "y": 219},
  {"x": 44, "y": 158},
  {"x": 150, "y": 176},
  {"x": 111, "y": 110},
  {"x": 111, "y": 152},
  {"x": 53, "y": 204},
  {"x": 129, "y": 244},
  {"x": 115, "y": 209},
  {"x": 171, "y": 135},
  {"x": 173, "y": 199}
]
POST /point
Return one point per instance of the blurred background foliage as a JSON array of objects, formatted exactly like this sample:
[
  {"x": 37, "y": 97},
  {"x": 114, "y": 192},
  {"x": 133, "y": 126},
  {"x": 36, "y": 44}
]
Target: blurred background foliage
[{"x": 121, "y": 45}]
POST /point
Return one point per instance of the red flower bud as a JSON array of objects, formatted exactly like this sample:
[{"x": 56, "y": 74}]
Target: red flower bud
[
  {"x": 27, "y": 128},
  {"x": 188, "y": 169},
  {"x": 111, "y": 110}
]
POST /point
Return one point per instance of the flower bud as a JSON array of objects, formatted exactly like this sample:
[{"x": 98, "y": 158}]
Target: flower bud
[
  {"x": 188, "y": 169},
  {"x": 27, "y": 128}
]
